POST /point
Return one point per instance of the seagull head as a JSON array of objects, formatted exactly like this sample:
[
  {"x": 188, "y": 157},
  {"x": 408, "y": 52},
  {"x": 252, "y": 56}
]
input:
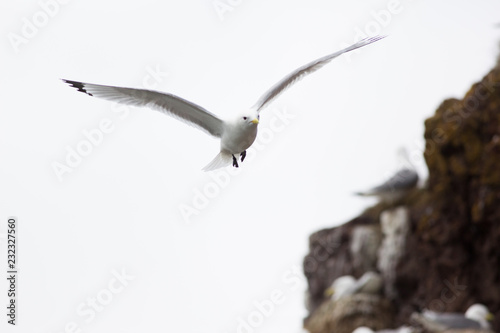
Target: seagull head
[
  {"x": 249, "y": 119},
  {"x": 342, "y": 286},
  {"x": 479, "y": 313}
]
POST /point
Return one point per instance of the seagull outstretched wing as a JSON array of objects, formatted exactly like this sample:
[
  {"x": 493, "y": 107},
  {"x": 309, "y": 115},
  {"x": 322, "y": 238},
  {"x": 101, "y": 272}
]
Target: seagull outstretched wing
[
  {"x": 302, "y": 71},
  {"x": 169, "y": 104}
]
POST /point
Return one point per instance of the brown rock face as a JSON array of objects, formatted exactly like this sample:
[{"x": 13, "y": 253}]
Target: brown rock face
[
  {"x": 330, "y": 257},
  {"x": 451, "y": 257},
  {"x": 349, "y": 313}
]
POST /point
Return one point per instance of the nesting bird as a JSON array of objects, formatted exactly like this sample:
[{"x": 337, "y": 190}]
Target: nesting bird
[
  {"x": 477, "y": 316},
  {"x": 402, "y": 329},
  {"x": 368, "y": 283}
]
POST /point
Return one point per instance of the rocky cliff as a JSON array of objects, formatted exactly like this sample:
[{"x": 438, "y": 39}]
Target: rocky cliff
[{"x": 437, "y": 248}]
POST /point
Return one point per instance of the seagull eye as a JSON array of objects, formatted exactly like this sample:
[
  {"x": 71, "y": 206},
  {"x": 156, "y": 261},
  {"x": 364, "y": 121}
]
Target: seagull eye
[{"x": 244, "y": 118}]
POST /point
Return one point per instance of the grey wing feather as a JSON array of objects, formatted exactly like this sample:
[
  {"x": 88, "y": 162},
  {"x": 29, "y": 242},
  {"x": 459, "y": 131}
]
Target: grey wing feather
[
  {"x": 309, "y": 68},
  {"x": 169, "y": 104},
  {"x": 451, "y": 320},
  {"x": 402, "y": 180}
]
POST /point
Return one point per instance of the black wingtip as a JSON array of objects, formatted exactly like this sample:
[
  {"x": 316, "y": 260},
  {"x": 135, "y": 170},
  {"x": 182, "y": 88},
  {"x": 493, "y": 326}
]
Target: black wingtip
[{"x": 80, "y": 86}]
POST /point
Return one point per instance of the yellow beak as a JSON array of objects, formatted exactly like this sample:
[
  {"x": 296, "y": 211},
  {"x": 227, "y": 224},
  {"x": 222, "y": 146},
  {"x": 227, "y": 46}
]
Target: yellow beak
[
  {"x": 255, "y": 121},
  {"x": 329, "y": 292},
  {"x": 490, "y": 316}
]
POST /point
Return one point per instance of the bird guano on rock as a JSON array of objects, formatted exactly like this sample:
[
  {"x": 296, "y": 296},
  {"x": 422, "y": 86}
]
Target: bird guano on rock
[{"x": 237, "y": 134}]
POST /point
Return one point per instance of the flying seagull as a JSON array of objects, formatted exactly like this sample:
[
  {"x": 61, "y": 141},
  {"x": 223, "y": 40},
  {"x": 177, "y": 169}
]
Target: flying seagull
[{"x": 236, "y": 134}]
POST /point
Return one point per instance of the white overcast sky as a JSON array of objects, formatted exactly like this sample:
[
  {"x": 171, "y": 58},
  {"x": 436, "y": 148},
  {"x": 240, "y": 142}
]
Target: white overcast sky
[{"x": 119, "y": 209}]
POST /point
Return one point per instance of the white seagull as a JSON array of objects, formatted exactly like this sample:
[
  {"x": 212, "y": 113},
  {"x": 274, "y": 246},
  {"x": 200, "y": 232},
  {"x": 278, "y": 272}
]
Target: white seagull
[
  {"x": 237, "y": 134},
  {"x": 347, "y": 285},
  {"x": 477, "y": 316}
]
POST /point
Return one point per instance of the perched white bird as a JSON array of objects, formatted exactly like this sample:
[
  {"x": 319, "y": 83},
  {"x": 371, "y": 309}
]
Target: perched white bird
[
  {"x": 341, "y": 286},
  {"x": 363, "y": 329},
  {"x": 237, "y": 134},
  {"x": 368, "y": 283},
  {"x": 477, "y": 316},
  {"x": 402, "y": 329}
]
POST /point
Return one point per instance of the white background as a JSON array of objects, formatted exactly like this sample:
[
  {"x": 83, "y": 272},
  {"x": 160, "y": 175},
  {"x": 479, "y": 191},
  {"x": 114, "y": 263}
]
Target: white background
[{"x": 119, "y": 208}]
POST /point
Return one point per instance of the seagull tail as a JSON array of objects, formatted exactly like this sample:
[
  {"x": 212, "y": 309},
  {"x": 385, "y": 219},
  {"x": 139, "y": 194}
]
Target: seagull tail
[{"x": 221, "y": 160}]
